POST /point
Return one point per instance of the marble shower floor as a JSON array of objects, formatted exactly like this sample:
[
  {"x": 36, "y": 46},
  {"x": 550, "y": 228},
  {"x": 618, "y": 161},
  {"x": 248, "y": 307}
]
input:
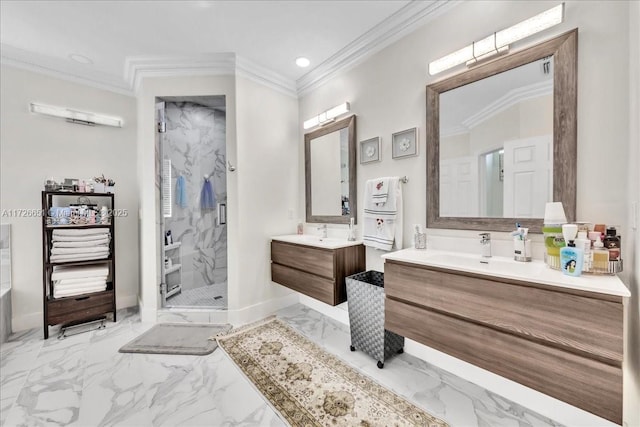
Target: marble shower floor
[
  {"x": 84, "y": 381},
  {"x": 204, "y": 296}
]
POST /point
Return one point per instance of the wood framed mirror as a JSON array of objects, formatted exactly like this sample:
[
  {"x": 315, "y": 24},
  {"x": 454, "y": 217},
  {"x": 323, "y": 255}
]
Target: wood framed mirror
[
  {"x": 458, "y": 202},
  {"x": 330, "y": 172}
]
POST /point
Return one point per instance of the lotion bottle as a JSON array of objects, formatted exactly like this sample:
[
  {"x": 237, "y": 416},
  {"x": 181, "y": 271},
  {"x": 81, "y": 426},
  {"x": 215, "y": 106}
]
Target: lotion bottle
[
  {"x": 571, "y": 257},
  {"x": 582, "y": 242}
]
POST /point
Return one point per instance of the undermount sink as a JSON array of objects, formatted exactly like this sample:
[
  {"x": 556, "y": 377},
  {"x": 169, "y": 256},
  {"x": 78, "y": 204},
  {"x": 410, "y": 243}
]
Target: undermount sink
[
  {"x": 317, "y": 241},
  {"x": 492, "y": 265}
]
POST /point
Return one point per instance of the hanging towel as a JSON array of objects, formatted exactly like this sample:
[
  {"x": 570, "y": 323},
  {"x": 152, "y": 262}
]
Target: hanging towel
[
  {"x": 383, "y": 224},
  {"x": 380, "y": 191},
  {"x": 181, "y": 192},
  {"x": 207, "y": 197}
]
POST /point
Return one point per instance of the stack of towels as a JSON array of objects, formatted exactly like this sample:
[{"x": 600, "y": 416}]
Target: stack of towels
[
  {"x": 70, "y": 281},
  {"x": 80, "y": 244}
]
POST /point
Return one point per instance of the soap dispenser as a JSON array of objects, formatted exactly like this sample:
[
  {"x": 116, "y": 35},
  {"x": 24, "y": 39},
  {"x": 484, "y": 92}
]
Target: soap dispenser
[{"x": 571, "y": 257}]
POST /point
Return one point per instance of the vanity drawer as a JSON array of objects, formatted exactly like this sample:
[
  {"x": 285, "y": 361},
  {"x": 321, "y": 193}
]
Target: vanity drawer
[
  {"x": 81, "y": 307},
  {"x": 312, "y": 260},
  {"x": 545, "y": 316},
  {"x": 309, "y": 284},
  {"x": 580, "y": 381}
]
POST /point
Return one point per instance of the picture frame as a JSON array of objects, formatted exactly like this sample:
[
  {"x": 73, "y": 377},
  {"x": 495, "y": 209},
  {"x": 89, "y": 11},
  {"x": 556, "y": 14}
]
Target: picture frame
[
  {"x": 404, "y": 144},
  {"x": 370, "y": 150}
]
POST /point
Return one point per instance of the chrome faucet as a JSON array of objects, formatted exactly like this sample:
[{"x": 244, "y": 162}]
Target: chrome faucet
[
  {"x": 323, "y": 227},
  {"x": 485, "y": 243}
]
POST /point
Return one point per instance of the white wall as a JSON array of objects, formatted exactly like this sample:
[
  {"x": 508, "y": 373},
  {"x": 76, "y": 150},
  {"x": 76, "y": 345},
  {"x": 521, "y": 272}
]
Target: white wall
[
  {"x": 34, "y": 147},
  {"x": 262, "y": 143},
  {"x": 387, "y": 93},
  {"x": 632, "y": 257},
  {"x": 268, "y": 148}
]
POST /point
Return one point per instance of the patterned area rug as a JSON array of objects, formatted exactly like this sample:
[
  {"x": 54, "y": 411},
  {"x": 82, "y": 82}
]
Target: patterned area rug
[{"x": 310, "y": 387}]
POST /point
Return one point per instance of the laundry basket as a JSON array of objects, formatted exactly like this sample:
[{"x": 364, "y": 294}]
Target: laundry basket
[{"x": 365, "y": 293}]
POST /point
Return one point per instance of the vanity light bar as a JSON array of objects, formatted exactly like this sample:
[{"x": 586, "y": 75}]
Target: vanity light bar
[
  {"x": 327, "y": 116},
  {"x": 74, "y": 116},
  {"x": 499, "y": 42}
]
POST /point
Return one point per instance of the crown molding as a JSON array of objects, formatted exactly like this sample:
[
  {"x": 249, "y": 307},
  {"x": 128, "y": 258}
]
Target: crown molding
[
  {"x": 141, "y": 67},
  {"x": 61, "y": 69},
  {"x": 264, "y": 76},
  {"x": 216, "y": 64},
  {"x": 404, "y": 21},
  {"x": 453, "y": 131},
  {"x": 510, "y": 99}
]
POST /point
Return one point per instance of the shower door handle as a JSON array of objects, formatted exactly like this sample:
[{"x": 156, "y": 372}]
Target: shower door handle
[{"x": 221, "y": 217}]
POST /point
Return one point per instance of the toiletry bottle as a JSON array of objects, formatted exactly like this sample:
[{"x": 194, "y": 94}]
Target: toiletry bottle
[
  {"x": 600, "y": 256},
  {"x": 300, "y": 227},
  {"x": 612, "y": 244},
  {"x": 352, "y": 230},
  {"x": 571, "y": 259},
  {"x": 582, "y": 242}
]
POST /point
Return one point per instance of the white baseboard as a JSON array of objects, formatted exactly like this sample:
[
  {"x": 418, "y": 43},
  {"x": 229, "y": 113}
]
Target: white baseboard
[
  {"x": 124, "y": 301},
  {"x": 541, "y": 403},
  {"x": 26, "y": 321},
  {"x": 147, "y": 314},
  {"x": 261, "y": 310}
]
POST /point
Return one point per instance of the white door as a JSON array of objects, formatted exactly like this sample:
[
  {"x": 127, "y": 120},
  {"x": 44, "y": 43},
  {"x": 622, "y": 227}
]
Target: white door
[
  {"x": 528, "y": 183},
  {"x": 459, "y": 187}
]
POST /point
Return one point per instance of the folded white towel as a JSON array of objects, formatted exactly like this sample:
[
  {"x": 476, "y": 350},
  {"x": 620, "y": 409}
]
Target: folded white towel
[
  {"x": 82, "y": 244},
  {"x": 383, "y": 224},
  {"x": 80, "y": 281},
  {"x": 84, "y": 238},
  {"x": 74, "y": 232},
  {"x": 79, "y": 251},
  {"x": 79, "y": 272},
  {"x": 62, "y": 294},
  {"x": 80, "y": 257},
  {"x": 380, "y": 191},
  {"x": 86, "y": 284}
]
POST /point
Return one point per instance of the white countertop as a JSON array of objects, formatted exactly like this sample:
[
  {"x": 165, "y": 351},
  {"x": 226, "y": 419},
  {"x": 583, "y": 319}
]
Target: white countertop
[
  {"x": 316, "y": 241},
  {"x": 535, "y": 271}
]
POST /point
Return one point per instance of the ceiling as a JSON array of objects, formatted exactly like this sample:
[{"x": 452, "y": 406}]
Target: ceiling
[{"x": 118, "y": 36}]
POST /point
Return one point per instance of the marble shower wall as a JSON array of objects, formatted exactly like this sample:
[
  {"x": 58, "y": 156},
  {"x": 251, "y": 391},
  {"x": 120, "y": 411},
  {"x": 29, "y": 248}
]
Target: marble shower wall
[{"x": 196, "y": 144}]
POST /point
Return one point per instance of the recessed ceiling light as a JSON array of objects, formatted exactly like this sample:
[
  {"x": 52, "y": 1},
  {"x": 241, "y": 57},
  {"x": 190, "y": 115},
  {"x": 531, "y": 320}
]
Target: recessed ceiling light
[
  {"x": 302, "y": 62},
  {"x": 80, "y": 58}
]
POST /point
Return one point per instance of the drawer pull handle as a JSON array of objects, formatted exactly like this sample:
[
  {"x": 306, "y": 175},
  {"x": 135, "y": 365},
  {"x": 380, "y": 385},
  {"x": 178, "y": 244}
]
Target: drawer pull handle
[{"x": 83, "y": 298}]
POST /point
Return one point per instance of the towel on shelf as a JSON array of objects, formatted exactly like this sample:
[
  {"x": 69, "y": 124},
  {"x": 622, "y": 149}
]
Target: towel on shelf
[
  {"x": 383, "y": 223},
  {"x": 66, "y": 283},
  {"x": 79, "y": 272},
  {"x": 380, "y": 191},
  {"x": 80, "y": 285},
  {"x": 75, "y": 232},
  {"x": 79, "y": 257},
  {"x": 79, "y": 251},
  {"x": 87, "y": 238},
  {"x": 181, "y": 192},
  {"x": 103, "y": 241},
  {"x": 58, "y": 293},
  {"x": 207, "y": 196}
]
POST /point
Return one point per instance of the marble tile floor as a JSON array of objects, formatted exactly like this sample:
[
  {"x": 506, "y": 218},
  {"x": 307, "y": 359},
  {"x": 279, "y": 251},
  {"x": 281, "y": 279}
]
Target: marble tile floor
[
  {"x": 83, "y": 381},
  {"x": 204, "y": 296}
]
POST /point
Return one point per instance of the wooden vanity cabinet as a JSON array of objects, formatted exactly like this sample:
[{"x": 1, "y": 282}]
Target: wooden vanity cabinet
[
  {"x": 316, "y": 272},
  {"x": 565, "y": 343}
]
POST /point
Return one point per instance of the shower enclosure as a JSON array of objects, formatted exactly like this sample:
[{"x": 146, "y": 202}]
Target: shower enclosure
[{"x": 192, "y": 189}]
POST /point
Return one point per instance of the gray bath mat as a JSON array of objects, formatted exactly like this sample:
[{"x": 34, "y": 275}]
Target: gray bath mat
[{"x": 177, "y": 338}]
